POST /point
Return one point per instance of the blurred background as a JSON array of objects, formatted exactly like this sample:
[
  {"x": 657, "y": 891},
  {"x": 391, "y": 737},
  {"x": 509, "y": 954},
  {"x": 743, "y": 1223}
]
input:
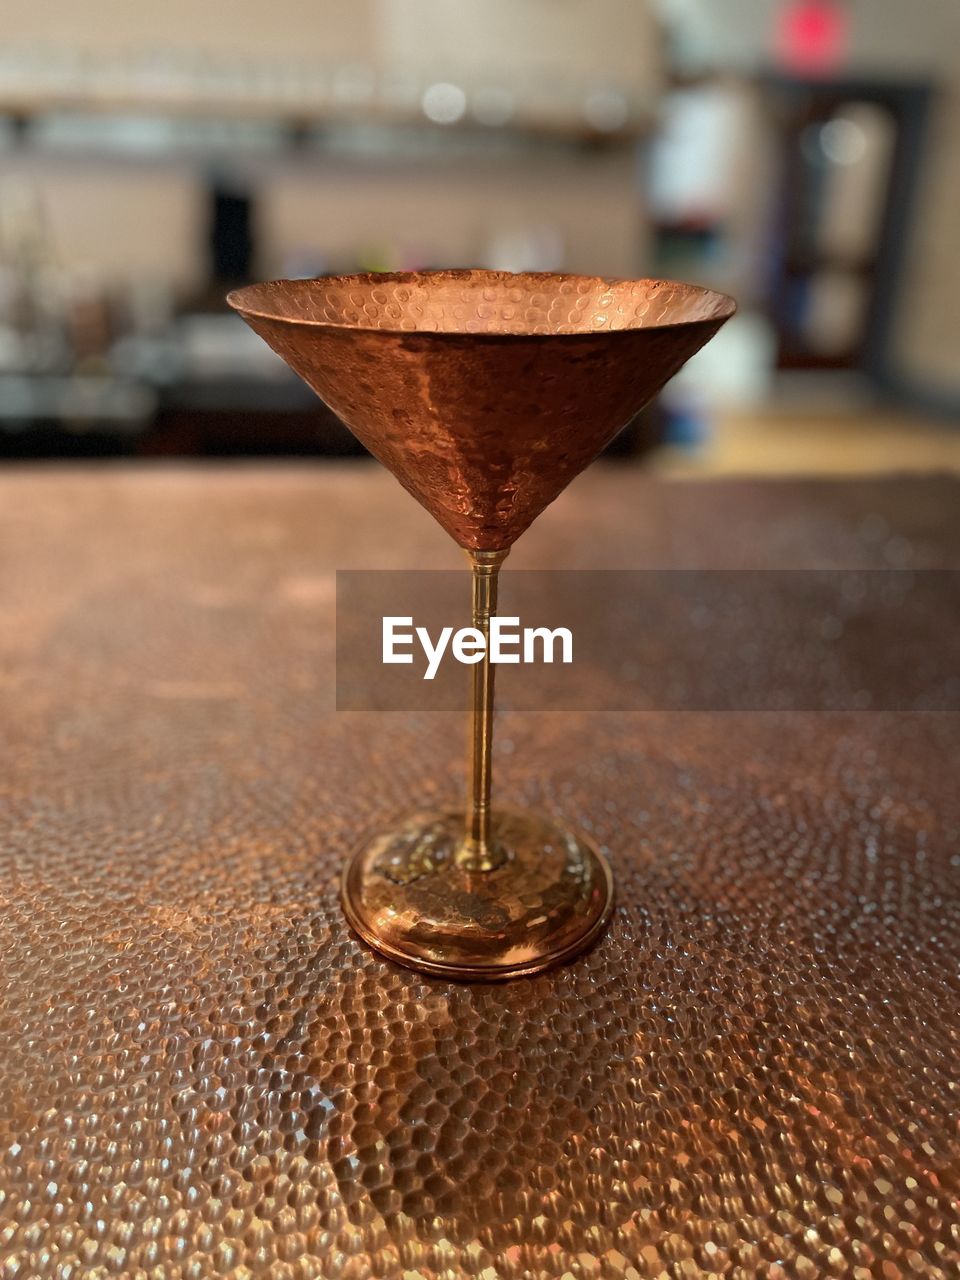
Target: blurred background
[{"x": 803, "y": 155}]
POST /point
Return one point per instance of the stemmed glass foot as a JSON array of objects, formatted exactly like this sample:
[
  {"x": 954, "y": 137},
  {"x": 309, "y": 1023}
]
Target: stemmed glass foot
[{"x": 409, "y": 895}]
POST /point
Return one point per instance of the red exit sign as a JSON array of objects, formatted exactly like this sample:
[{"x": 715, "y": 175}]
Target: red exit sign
[{"x": 812, "y": 37}]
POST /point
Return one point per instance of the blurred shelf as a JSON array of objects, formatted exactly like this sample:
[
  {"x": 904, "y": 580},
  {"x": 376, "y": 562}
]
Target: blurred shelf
[
  {"x": 152, "y": 121},
  {"x": 45, "y": 416},
  {"x": 77, "y": 400}
]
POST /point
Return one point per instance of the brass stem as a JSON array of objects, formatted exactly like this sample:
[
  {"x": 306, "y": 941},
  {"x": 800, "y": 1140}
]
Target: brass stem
[{"x": 477, "y": 851}]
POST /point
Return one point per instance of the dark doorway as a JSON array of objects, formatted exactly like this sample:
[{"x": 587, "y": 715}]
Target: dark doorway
[{"x": 850, "y": 160}]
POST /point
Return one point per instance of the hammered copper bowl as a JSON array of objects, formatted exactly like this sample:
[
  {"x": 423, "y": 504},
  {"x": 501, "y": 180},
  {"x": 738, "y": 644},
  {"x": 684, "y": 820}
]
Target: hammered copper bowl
[{"x": 485, "y": 393}]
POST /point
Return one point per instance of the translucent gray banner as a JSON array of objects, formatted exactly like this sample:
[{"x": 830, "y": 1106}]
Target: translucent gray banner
[{"x": 690, "y": 640}]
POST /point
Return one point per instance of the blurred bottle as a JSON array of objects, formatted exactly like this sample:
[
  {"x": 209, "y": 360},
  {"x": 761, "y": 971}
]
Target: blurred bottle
[
  {"x": 377, "y": 257},
  {"x": 88, "y": 321},
  {"x": 31, "y": 296}
]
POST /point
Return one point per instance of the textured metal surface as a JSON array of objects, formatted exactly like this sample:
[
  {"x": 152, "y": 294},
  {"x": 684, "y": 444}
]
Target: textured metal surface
[
  {"x": 484, "y": 392},
  {"x": 754, "y": 1073}
]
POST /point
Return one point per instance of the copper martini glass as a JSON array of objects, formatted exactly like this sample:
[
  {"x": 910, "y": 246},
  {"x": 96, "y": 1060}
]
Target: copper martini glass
[{"x": 485, "y": 393}]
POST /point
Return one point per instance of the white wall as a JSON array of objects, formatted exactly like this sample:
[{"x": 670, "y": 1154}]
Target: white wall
[
  {"x": 319, "y": 30},
  {"x": 450, "y": 213},
  {"x": 588, "y": 39},
  {"x": 508, "y": 40},
  {"x": 928, "y": 331},
  {"x": 122, "y": 216}
]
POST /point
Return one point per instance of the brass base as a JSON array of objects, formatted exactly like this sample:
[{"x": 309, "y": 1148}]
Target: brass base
[{"x": 408, "y": 896}]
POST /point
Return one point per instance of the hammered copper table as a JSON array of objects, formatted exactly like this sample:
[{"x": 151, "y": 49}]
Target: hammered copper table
[{"x": 755, "y": 1073}]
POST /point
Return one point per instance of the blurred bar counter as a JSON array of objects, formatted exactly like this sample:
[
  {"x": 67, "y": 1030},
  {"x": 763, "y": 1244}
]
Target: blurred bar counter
[{"x": 203, "y": 387}]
